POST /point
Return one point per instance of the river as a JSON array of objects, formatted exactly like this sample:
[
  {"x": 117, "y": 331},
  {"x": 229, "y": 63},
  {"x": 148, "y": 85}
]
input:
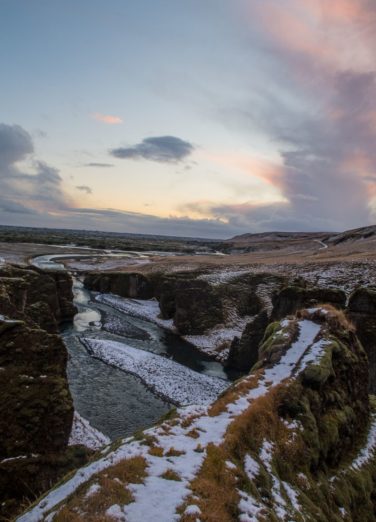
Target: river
[{"x": 113, "y": 401}]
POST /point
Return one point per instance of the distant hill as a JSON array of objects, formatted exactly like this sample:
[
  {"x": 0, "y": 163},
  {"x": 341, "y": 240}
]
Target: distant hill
[{"x": 278, "y": 236}]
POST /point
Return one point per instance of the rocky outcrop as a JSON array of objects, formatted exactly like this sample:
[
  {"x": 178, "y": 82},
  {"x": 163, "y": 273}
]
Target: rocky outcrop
[
  {"x": 294, "y": 297},
  {"x": 193, "y": 304},
  {"x": 293, "y": 441},
  {"x": 36, "y": 408},
  {"x": 124, "y": 284},
  {"x": 42, "y": 298},
  {"x": 362, "y": 311},
  {"x": 244, "y": 351}
]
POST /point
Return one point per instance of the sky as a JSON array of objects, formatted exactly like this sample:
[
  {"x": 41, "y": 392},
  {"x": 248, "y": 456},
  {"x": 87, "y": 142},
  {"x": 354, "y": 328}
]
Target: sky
[{"x": 203, "y": 118}]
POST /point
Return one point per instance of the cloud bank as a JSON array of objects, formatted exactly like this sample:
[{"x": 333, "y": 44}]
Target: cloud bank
[
  {"x": 318, "y": 108},
  {"x": 27, "y": 191},
  {"x": 165, "y": 149}
]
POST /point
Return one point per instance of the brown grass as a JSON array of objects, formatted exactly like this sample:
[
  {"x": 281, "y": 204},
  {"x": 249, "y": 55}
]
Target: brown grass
[
  {"x": 172, "y": 452},
  {"x": 193, "y": 433},
  {"x": 170, "y": 474},
  {"x": 113, "y": 490},
  {"x": 336, "y": 319},
  {"x": 216, "y": 487},
  {"x": 232, "y": 394},
  {"x": 156, "y": 451}
]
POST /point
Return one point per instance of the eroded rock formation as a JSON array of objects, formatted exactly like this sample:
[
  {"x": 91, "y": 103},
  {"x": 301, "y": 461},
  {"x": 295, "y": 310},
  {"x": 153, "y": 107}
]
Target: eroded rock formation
[
  {"x": 120, "y": 283},
  {"x": 36, "y": 408}
]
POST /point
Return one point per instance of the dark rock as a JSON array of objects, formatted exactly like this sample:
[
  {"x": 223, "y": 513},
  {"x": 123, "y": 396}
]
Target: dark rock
[
  {"x": 193, "y": 303},
  {"x": 293, "y": 298},
  {"x": 31, "y": 476},
  {"x": 244, "y": 351},
  {"x": 124, "y": 284},
  {"x": 362, "y": 312},
  {"x": 31, "y": 294},
  {"x": 36, "y": 408}
]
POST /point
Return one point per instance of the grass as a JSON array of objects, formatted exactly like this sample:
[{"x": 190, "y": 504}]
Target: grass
[
  {"x": 336, "y": 319},
  {"x": 232, "y": 394},
  {"x": 113, "y": 483},
  {"x": 170, "y": 474},
  {"x": 156, "y": 451},
  {"x": 215, "y": 486},
  {"x": 172, "y": 452}
]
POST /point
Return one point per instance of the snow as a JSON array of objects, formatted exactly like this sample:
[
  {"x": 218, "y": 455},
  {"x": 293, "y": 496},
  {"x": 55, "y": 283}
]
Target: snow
[
  {"x": 313, "y": 355},
  {"x": 249, "y": 508},
  {"x": 292, "y": 495},
  {"x": 115, "y": 512},
  {"x": 192, "y": 510},
  {"x": 94, "y": 488},
  {"x": 169, "y": 379},
  {"x": 279, "y": 503},
  {"x": 161, "y": 497},
  {"x": 281, "y": 371},
  {"x": 368, "y": 451},
  {"x": 230, "y": 464},
  {"x": 141, "y": 309},
  {"x": 85, "y": 434},
  {"x": 251, "y": 467},
  {"x": 10, "y": 459}
]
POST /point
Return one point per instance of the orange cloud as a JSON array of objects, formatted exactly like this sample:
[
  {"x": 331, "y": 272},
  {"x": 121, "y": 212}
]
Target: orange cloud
[
  {"x": 107, "y": 118},
  {"x": 253, "y": 166}
]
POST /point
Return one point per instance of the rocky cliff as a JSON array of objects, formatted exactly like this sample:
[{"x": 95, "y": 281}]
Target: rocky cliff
[
  {"x": 295, "y": 440},
  {"x": 36, "y": 408}
]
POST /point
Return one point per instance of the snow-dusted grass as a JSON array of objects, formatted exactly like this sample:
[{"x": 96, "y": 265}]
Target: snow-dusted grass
[
  {"x": 172, "y": 381},
  {"x": 193, "y": 429},
  {"x": 85, "y": 434}
]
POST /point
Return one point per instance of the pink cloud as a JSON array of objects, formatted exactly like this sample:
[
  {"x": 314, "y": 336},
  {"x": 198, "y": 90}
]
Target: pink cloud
[{"x": 107, "y": 118}]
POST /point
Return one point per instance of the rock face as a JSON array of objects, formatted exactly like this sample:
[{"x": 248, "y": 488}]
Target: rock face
[
  {"x": 293, "y": 298},
  {"x": 120, "y": 283},
  {"x": 362, "y": 311},
  {"x": 36, "y": 409},
  {"x": 244, "y": 351},
  {"x": 293, "y": 441},
  {"x": 37, "y": 297},
  {"x": 193, "y": 304}
]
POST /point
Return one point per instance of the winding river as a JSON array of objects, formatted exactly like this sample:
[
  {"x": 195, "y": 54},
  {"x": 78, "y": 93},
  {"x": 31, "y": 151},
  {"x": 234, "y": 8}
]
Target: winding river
[{"x": 113, "y": 401}]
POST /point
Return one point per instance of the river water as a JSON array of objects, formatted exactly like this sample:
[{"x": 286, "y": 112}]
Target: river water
[{"x": 113, "y": 401}]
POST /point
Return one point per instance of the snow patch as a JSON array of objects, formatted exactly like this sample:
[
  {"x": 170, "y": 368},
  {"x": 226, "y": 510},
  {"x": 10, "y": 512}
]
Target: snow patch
[
  {"x": 169, "y": 379},
  {"x": 85, "y": 434}
]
